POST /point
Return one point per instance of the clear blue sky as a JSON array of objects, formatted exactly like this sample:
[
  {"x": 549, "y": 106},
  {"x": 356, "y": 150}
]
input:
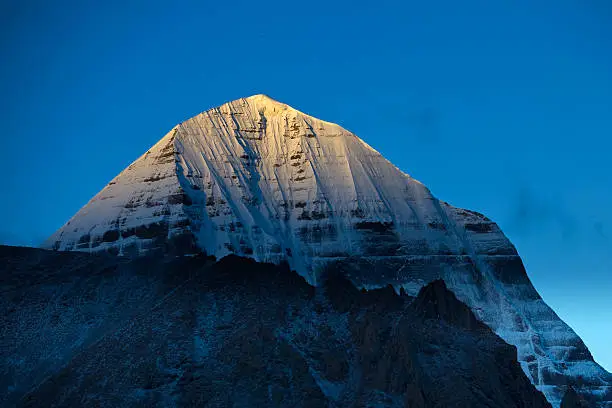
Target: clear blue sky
[{"x": 504, "y": 107}]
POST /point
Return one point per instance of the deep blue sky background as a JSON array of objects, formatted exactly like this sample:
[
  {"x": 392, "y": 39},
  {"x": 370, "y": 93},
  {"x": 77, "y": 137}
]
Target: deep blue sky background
[{"x": 504, "y": 107}]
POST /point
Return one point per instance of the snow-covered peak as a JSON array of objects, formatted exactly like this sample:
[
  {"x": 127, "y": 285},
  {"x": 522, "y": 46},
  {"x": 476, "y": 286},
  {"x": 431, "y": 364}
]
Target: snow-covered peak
[
  {"x": 265, "y": 100},
  {"x": 260, "y": 179},
  {"x": 266, "y": 104}
]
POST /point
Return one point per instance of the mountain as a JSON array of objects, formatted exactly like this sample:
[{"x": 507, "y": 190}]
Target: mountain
[
  {"x": 104, "y": 331},
  {"x": 257, "y": 178}
]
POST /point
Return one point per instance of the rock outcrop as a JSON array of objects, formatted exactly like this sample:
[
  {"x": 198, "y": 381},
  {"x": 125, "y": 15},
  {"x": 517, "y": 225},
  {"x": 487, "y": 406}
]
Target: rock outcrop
[{"x": 571, "y": 399}]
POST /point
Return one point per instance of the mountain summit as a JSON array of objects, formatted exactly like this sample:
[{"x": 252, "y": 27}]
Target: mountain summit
[{"x": 257, "y": 178}]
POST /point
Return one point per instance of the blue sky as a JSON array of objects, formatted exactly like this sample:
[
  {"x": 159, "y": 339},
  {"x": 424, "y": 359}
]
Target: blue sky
[{"x": 504, "y": 107}]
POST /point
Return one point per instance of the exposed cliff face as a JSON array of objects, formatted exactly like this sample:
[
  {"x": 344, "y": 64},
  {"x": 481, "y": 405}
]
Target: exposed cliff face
[
  {"x": 238, "y": 333},
  {"x": 258, "y": 178}
]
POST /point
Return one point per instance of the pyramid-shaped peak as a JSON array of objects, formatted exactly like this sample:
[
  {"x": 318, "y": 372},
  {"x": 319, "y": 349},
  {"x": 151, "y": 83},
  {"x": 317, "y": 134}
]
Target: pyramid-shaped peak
[{"x": 257, "y": 178}]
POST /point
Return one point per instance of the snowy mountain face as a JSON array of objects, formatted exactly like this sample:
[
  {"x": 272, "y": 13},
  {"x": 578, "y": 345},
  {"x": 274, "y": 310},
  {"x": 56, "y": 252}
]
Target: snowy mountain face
[{"x": 257, "y": 178}]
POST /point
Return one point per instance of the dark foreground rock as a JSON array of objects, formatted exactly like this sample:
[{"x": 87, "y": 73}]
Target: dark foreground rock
[
  {"x": 81, "y": 330},
  {"x": 572, "y": 399}
]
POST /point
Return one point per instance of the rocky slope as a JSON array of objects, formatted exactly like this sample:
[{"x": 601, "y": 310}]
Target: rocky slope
[
  {"x": 107, "y": 332},
  {"x": 258, "y": 178}
]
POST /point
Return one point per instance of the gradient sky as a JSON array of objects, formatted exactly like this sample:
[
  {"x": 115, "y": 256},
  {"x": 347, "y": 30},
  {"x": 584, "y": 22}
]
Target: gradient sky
[{"x": 504, "y": 107}]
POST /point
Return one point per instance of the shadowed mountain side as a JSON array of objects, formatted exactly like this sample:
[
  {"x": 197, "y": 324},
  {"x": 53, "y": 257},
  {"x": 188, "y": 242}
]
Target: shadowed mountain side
[{"x": 86, "y": 330}]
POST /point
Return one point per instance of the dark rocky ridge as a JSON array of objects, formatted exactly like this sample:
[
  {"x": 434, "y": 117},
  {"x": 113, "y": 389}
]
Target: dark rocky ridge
[{"x": 83, "y": 330}]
